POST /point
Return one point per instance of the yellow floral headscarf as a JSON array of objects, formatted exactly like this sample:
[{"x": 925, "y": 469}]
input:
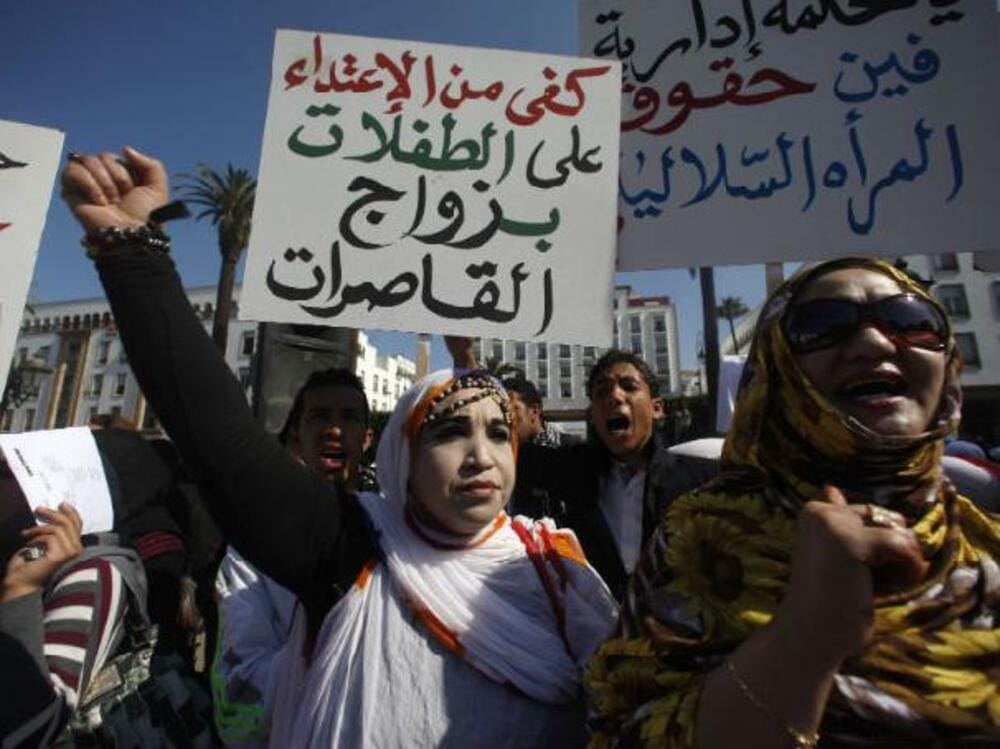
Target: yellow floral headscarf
[
  {"x": 786, "y": 434},
  {"x": 718, "y": 566}
]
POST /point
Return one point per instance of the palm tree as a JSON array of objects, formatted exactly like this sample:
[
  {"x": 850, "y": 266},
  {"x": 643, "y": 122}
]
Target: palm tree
[
  {"x": 732, "y": 308},
  {"x": 227, "y": 200}
]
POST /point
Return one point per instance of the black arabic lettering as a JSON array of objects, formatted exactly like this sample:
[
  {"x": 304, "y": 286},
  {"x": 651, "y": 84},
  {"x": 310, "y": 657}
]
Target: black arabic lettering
[
  {"x": 296, "y": 293},
  {"x": 8, "y": 163},
  {"x": 547, "y": 302},
  {"x": 812, "y": 18},
  {"x": 574, "y": 159},
  {"x": 612, "y": 42},
  {"x": 485, "y": 303},
  {"x": 376, "y": 192}
]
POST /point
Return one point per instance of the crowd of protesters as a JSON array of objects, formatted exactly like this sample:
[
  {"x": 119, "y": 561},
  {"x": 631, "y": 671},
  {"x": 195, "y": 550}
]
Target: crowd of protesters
[{"x": 830, "y": 576}]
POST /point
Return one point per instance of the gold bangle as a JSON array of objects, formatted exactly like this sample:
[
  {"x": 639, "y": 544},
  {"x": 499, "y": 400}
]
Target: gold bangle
[{"x": 802, "y": 739}]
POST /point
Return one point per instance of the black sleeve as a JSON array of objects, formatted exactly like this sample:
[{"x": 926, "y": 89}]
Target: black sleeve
[
  {"x": 549, "y": 468},
  {"x": 554, "y": 482},
  {"x": 283, "y": 518}
]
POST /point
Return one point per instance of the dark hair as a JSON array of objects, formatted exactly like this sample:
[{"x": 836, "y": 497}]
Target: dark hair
[
  {"x": 615, "y": 356},
  {"x": 333, "y": 377},
  {"x": 525, "y": 390}
]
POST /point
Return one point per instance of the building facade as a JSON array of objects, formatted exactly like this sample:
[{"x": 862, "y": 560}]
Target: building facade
[
  {"x": 972, "y": 298},
  {"x": 90, "y": 376},
  {"x": 385, "y": 378},
  {"x": 646, "y": 326}
]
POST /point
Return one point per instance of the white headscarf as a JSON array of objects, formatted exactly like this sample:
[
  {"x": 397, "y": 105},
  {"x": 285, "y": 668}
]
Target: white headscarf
[{"x": 519, "y": 602}]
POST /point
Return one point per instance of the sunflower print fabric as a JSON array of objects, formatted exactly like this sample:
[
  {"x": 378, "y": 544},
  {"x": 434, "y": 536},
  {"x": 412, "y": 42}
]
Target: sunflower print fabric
[{"x": 718, "y": 566}]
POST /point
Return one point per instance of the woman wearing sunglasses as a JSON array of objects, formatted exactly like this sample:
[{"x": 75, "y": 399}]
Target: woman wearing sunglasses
[{"x": 830, "y": 587}]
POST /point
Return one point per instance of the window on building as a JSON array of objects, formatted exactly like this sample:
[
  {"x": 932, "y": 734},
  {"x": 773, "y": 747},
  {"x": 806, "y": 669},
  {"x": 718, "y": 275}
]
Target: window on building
[
  {"x": 659, "y": 323},
  {"x": 520, "y": 352},
  {"x": 660, "y": 342},
  {"x": 374, "y": 383},
  {"x": 120, "y": 380},
  {"x": 968, "y": 348},
  {"x": 946, "y": 261},
  {"x": 565, "y": 352},
  {"x": 543, "y": 372},
  {"x": 662, "y": 363},
  {"x": 91, "y": 414},
  {"x": 385, "y": 386},
  {"x": 29, "y": 420},
  {"x": 543, "y": 388},
  {"x": 22, "y": 353},
  {"x": 635, "y": 343},
  {"x": 247, "y": 343},
  {"x": 543, "y": 351},
  {"x": 634, "y": 324},
  {"x": 43, "y": 353},
  {"x": 565, "y": 370},
  {"x": 103, "y": 352},
  {"x": 96, "y": 385},
  {"x": 116, "y": 410},
  {"x": 245, "y": 377},
  {"x": 952, "y": 297},
  {"x": 565, "y": 389},
  {"x": 498, "y": 350}
]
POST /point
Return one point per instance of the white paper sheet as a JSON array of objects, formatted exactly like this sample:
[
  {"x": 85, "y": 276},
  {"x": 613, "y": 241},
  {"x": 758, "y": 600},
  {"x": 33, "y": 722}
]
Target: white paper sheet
[{"x": 61, "y": 465}]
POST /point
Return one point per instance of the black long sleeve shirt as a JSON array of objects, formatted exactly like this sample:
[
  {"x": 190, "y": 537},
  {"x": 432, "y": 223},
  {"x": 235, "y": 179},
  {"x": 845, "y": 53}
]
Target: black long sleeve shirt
[{"x": 302, "y": 532}]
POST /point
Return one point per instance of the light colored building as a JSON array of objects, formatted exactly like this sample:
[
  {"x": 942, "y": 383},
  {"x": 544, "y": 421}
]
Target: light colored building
[
  {"x": 385, "y": 378},
  {"x": 78, "y": 340},
  {"x": 972, "y": 298},
  {"x": 646, "y": 326},
  {"x": 90, "y": 376}
]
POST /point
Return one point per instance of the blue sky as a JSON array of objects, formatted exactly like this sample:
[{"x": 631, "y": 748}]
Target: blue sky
[{"x": 187, "y": 81}]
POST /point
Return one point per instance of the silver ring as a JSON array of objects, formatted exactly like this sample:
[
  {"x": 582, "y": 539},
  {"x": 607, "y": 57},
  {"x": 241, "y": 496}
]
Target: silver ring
[{"x": 31, "y": 553}]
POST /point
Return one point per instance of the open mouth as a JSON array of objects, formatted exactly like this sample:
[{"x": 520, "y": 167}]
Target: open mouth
[
  {"x": 874, "y": 388},
  {"x": 332, "y": 460},
  {"x": 618, "y": 425}
]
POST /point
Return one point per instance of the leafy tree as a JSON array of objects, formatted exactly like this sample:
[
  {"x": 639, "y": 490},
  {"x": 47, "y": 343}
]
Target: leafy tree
[
  {"x": 226, "y": 199},
  {"x": 732, "y": 308}
]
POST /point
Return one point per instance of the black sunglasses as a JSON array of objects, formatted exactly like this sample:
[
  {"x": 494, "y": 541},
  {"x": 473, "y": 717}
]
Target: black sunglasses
[{"x": 906, "y": 319}]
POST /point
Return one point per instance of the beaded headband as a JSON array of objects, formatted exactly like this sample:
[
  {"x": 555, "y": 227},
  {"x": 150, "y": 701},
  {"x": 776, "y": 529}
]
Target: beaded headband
[{"x": 485, "y": 387}]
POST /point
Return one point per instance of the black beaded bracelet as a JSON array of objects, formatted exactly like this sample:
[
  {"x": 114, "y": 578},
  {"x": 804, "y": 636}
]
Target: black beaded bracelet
[{"x": 141, "y": 240}]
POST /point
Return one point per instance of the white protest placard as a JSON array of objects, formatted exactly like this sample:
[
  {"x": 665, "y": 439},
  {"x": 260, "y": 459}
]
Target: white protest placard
[
  {"x": 29, "y": 158},
  {"x": 434, "y": 188},
  {"x": 61, "y": 465},
  {"x": 769, "y": 130}
]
